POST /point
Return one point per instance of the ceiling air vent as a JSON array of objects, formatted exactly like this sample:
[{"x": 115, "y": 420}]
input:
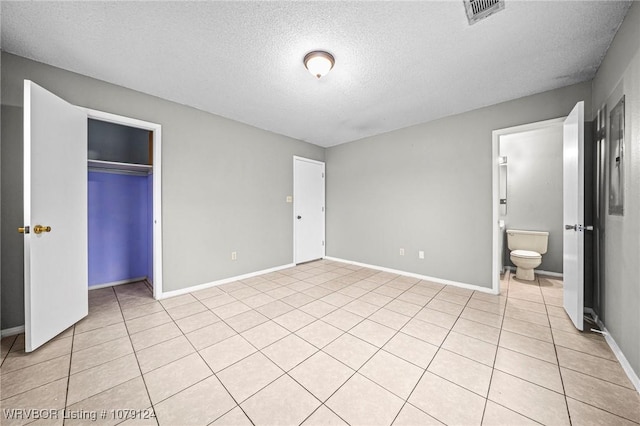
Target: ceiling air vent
[{"x": 477, "y": 10}]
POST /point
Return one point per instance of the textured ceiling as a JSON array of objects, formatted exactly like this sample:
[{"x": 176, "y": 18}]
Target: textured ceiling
[{"x": 397, "y": 63}]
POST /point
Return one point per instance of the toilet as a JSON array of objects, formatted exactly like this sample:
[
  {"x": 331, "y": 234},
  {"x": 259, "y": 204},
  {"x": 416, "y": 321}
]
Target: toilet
[{"x": 527, "y": 248}]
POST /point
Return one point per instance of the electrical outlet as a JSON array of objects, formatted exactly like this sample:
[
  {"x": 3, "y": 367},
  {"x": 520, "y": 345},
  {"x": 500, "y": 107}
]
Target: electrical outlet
[
  {"x": 401, "y": 252},
  {"x": 289, "y": 199},
  {"x": 421, "y": 254},
  {"x": 234, "y": 255}
]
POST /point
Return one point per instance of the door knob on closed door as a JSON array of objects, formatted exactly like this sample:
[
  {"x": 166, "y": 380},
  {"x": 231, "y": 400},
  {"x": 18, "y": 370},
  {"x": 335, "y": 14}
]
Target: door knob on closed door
[
  {"x": 23, "y": 230},
  {"x": 574, "y": 227},
  {"x": 299, "y": 217},
  {"x": 39, "y": 229}
]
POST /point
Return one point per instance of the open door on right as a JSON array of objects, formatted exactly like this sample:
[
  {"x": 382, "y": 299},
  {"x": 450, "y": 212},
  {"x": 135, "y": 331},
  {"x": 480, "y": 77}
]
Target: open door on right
[{"x": 573, "y": 215}]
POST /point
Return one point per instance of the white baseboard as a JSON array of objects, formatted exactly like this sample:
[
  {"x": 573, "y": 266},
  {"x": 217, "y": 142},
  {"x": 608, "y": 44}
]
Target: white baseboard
[
  {"x": 633, "y": 377},
  {"x": 11, "y": 331},
  {"x": 548, "y": 273},
  {"x": 538, "y": 271},
  {"x": 413, "y": 275},
  {"x": 182, "y": 291},
  {"x": 115, "y": 283}
]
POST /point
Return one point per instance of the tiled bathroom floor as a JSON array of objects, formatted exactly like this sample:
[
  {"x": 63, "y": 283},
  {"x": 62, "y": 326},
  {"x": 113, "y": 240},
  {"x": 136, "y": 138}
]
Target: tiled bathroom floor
[{"x": 322, "y": 343}]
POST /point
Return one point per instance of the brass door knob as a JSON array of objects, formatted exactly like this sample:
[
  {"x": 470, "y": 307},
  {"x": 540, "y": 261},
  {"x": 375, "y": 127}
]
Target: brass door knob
[
  {"x": 39, "y": 229},
  {"x": 24, "y": 230}
]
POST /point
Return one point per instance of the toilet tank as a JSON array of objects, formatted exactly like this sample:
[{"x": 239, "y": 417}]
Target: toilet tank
[{"x": 527, "y": 240}]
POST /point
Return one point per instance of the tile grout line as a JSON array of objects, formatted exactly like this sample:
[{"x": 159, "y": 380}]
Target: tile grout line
[
  {"x": 66, "y": 394},
  {"x": 258, "y": 350},
  {"x": 317, "y": 319},
  {"x": 15, "y": 339},
  {"x": 218, "y": 378},
  {"x": 426, "y": 369},
  {"x": 322, "y": 271},
  {"x": 355, "y": 371},
  {"x": 469, "y": 320},
  {"x": 135, "y": 354},
  {"x": 322, "y": 404},
  {"x": 73, "y": 337},
  {"x": 40, "y": 385},
  {"x": 564, "y": 392},
  {"x": 397, "y": 331},
  {"x": 493, "y": 367},
  {"x": 346, "y": 331},
  {"x": 555, "y": 351},
  {"x": 405, "y": 400},
  {"x": 512, "y": 375},
  {"x": 46, "y": 383},
  {"x": 195, "y": 351},
  {"x": 286, "y": 373}
]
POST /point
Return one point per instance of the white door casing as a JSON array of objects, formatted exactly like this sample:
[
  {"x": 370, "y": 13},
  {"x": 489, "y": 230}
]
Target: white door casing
[
  {"x": 157, "y": 186},
  {"x": 308, "y": 209},
  {"x": 55, "y": 195},
  {"x": 573, "y": 215},
  {"x": 497, "y": 233}
]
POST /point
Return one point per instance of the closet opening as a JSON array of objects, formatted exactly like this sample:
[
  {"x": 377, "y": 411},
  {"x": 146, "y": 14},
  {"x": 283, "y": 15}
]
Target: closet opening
[{"x": 123, "y": 213}]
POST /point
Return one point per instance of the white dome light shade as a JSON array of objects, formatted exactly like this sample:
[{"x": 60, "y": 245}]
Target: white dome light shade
[{"x": 319, "y": 63}]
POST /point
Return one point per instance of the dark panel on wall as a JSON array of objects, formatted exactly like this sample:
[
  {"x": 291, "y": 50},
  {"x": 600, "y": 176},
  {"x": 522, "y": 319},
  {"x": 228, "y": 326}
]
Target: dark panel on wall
[
  {"x": 589, "y": 213},
  {"x": 115, "y": 142}
]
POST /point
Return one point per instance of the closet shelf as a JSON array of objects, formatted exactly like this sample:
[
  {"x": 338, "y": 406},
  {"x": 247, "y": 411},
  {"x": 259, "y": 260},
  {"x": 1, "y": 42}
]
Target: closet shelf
[{"x": 113, "y": 166}]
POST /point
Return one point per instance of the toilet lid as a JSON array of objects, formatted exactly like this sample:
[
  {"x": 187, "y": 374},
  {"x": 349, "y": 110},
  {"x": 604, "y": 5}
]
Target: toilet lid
[{"x": 526, "y": 254}]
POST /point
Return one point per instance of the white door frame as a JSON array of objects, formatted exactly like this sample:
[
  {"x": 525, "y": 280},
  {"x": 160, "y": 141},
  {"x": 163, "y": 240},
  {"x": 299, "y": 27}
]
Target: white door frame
[
  {"x": 495, "y": 197},
  {"x": 324, "y": 211},
  {"x": 157, "y": 185}
]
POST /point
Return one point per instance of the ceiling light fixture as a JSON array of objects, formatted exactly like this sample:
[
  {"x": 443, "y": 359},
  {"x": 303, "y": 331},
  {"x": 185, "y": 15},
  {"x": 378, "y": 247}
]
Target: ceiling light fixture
[{"x": 319, "y": 62}]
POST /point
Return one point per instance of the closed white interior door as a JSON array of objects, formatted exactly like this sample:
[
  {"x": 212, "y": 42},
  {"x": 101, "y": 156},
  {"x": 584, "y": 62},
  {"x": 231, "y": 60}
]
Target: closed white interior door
[
  {"x": 308, "y": 211},
  {"x": 55, "y": 196},
  {"x": 573, "y": 214}
]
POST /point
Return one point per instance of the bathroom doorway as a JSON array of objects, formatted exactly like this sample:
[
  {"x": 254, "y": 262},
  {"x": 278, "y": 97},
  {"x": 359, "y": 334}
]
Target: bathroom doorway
[
  {"x": 527, "y": 190},
  {"x": 577, "y": 189}
]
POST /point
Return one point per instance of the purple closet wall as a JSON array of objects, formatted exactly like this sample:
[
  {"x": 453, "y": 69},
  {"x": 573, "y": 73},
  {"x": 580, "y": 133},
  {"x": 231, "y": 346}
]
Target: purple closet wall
[
  {"x": 150, "y": 228},
  {"x": 119, "y": 227}
]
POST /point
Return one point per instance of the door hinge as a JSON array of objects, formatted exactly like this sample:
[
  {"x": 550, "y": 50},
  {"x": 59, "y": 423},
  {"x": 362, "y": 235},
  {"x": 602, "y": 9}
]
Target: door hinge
[
  {"x": 322, "y": 242},
  {"x": 323, "y": 208},
  {"x": 323, "y": 175}
]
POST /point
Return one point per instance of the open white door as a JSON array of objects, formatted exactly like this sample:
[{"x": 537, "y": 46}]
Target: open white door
[
  {"x": 55, "y": 196},
  {"x": 308, "y": 211},
  {"x": 573, "y": 215}
]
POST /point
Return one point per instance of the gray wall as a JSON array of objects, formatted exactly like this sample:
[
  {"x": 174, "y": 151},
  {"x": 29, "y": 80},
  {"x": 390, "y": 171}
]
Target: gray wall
[
  {"x": 224, "y": 183},
  {"x": 620, "y": 298},
  {"x": 428, "y": 187},
  {"x": 534, "y": 189},
  {"x": 1, "y": 168},
  {"x": 11, "y": 280}
]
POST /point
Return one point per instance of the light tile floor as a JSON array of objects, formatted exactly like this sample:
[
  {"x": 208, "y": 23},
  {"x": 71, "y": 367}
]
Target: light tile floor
[{"x": 322, "y": 343}]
